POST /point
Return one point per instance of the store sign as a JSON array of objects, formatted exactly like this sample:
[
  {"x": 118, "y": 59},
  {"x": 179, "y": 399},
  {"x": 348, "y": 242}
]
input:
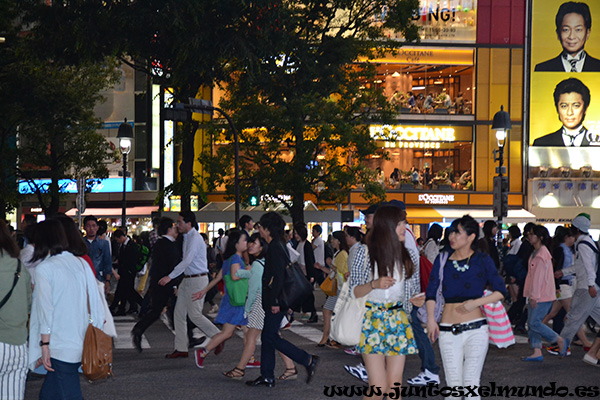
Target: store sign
[
  {"x": 444, "y": 21},
  {"x": 399, "y": 133},
  {"x": 436, "y": 198},
  {"x": 109, "y": 185}
]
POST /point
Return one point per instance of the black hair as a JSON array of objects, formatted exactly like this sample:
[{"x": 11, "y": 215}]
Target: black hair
[
  {"x": 77, "y": 246},
  {"x": 28, "y": 232},
  {"x": 573, "y": 85},
  {"x": 385, "y": 248},
  {"x": 118, "y": 233},
  {"x": 542, "y": 233},
  {"x": 318, "y": 229},
  {"x": 300, "y": 229},
  {"x": 234, "y": 237},
  {"x": 244, "y": 220},
  {"x": 189, "y": 216},
  {"x": 163, "y": 226},
  {"x": 355, "y": 232},
  {"x": 341, "y": 236},
  {"x": 470, "y": 226},
  {"x": 560, "y": 234},
  {"x": 435, "y": 232},
  {"x": 488, "y": 227},
  {"x": 263, "y": 244},
  {"x": 528, "y": 227},
  {"x": 204, "y": 236},
  {"x": 573, "y": 7},
  {"x": 273, "y": 223},
  {"x": 575, "y": 230},
  {"x": 49, "y": 238},
  {"x": 102, "y": 227},
  {"x": 7, "y": 243},
  {"x": 90, "y": 218},
  {"x": 29, "y": 219},
  {"x": 514, "y": 231}
]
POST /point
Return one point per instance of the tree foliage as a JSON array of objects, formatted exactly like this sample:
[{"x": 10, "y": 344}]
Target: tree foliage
[
  {"x": 49, "y": 129},
  {"x": 303, "y": 103}
]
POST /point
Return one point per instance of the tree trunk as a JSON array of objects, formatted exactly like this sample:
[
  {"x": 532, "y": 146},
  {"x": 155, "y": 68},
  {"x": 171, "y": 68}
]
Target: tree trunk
[
  {"x": 186, "y": 169},
  {"x": 297, "y": 210},
  {"x": 54, "y": 193}
]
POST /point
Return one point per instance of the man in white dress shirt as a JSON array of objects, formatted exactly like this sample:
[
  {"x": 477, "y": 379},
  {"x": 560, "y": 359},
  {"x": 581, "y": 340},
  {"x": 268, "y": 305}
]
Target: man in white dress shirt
[{"x": 194, "y": 268}]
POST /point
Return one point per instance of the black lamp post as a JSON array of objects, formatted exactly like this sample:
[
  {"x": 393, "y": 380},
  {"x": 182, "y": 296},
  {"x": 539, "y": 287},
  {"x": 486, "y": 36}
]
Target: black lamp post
[
  {"x": 502, "y": 126},
  {"x": 125, "y": 137}
]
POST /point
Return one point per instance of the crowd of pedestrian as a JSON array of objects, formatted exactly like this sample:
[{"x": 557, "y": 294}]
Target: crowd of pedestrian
[{"x": 417, "y": 292}]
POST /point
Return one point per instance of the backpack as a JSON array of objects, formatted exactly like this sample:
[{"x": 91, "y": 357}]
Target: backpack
[
  {"x": 142, "y": 258},
  {"x": 594, "y": 248}
]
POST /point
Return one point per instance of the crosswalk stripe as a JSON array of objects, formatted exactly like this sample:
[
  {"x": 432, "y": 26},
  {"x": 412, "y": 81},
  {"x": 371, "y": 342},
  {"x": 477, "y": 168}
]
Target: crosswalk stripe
[{"x": 124, "y": 325}]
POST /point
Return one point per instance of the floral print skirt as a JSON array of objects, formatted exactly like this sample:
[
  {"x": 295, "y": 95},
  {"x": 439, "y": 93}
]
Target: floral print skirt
[{"x": 386, "y": 330}]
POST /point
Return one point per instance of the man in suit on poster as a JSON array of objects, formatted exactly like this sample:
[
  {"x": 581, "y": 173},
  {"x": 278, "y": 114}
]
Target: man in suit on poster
[
  {"x": 573, "y": 28},
  {"x": 572, "y": 99}
]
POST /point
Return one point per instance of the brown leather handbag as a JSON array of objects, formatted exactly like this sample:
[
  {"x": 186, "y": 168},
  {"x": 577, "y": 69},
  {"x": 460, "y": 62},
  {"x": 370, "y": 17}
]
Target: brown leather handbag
[{"x": 97, "y": 357}]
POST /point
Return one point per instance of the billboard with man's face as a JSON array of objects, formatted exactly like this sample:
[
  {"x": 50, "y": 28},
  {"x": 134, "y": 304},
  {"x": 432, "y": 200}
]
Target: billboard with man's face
[{"x": 565, "y": 80}]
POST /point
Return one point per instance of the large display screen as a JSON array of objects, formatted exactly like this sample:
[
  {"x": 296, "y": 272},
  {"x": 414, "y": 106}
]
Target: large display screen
[{"x": 565, "y": 80}]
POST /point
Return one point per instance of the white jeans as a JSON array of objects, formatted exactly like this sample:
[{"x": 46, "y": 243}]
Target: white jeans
[
  {"x": 185, "y": 307},
  {"x": 463, "y": 356},
  {"x": 13, "y": 371}
]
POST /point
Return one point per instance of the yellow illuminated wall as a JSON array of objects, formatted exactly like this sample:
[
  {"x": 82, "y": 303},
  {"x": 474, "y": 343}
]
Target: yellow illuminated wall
[{"x": 499, "y": 83}]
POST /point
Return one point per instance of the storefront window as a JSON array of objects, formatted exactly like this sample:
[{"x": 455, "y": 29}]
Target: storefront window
[
  {"x": 423, "y": 157},
  {"x": 427, "y": 80}
]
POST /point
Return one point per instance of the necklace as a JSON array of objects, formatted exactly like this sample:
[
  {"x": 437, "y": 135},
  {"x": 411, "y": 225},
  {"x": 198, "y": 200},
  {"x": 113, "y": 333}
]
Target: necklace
[{"x": 462, "y": 268}]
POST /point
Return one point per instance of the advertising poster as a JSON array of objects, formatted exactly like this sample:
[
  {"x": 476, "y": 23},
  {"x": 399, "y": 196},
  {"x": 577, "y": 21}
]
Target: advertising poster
[{"x": 565, "y": 80}]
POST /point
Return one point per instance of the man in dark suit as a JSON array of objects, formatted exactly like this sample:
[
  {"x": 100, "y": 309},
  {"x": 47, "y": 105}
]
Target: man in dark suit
[
  {"x": 128, "y": 256},
  {"x": 165, "y": 256},
  {"x": 572, "y": 99},
  {"x": 573, "y": 28}
]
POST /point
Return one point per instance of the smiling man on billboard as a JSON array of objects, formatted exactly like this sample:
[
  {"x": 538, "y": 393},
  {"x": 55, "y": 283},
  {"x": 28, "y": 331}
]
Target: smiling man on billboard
[{"x": 573, "y": 28}]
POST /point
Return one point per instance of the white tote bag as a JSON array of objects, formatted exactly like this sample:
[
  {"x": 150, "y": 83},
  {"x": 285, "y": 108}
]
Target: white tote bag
[{"x": 347, "y": 319}]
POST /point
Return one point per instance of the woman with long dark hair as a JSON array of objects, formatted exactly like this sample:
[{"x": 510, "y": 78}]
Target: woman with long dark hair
[
  {"x": 464, "y": 333},
  {"x": 15, "y": 300},
  {"x": 540, "y": 292},
  {"x": 271, "y": 228},
  {"x": 230, "y": 316},
  {"x": 59, "y": 314},
  {"x": 386, "y": 336}
]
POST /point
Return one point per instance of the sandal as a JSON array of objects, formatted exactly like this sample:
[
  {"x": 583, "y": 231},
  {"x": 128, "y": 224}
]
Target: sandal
[
  {"x": 288, "y": 375},
  {"x": 235, "y": 373}
]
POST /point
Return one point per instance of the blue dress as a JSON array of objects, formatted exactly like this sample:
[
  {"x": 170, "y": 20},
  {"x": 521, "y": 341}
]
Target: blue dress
[{"x": 227, "y": 313}]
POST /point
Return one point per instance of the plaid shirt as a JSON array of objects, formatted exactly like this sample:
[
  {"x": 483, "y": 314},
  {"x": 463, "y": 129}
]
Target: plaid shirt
[{"x": 360, "y": 273}]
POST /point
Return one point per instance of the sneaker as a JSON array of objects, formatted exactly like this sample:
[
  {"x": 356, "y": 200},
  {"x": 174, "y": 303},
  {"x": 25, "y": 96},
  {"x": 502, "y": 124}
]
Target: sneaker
[
  {"x": 200, "y": 355},
  {"x": 351, "y": 351},
  {"x": 214, "y": 309},
  {"x": 555, "y": 351},
  {"x": 425, "y": 378},
  {"x": 359, "y": 372},
  {"x": 591, "y": 360},
  {"x": 253, "y": 363}
]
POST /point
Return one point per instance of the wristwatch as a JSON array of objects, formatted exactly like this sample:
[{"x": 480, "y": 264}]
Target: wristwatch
[{"x": 42, "y": 343}]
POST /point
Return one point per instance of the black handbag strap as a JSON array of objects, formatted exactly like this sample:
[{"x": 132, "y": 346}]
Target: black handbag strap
[{"x": 17, "y": 276}]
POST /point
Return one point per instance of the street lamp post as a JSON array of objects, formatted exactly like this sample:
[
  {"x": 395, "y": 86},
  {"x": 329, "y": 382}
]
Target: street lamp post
[
  {"x": 502, "y": 126},
  {"x": 125, "y": 137}
]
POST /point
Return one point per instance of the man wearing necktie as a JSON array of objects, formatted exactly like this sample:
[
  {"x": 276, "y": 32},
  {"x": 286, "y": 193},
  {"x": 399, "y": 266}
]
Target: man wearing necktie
[
  {"x": 572, "y": 99},
  {"x": 573, "y": 28}
]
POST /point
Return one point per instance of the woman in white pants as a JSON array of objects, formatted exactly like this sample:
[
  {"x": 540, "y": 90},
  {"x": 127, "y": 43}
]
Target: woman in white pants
[{"x": 463, "y": 330}]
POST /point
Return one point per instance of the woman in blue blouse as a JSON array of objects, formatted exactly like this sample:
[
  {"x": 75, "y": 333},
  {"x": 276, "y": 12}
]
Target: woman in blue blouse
[
  {"x": 230, "y": 316},
  {"x": 464, "y": 333}
]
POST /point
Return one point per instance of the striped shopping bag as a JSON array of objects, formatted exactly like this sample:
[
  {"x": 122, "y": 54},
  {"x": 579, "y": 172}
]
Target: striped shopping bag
[{"x": 500, "y": 330}]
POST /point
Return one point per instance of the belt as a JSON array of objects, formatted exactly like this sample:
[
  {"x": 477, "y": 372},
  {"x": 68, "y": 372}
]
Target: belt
[
  {"x": 196, "y": 275},
  {"x": 460, "y": 328},
  {"x": 383, "y": 306}
]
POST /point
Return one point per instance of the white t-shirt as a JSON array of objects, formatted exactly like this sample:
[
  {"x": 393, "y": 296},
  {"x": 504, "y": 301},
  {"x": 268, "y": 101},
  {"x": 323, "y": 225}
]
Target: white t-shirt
[{"x": 319, "y": 250}]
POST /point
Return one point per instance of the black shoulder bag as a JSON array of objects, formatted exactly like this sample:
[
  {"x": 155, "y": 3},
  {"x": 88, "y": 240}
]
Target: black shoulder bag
[
  {"x": 17, "y": 276},
  {"x": 295, "y": 285}
]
